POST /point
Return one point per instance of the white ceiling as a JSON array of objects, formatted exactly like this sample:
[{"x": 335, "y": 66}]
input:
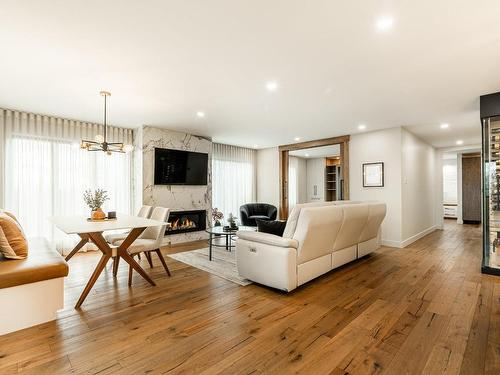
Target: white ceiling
[
  {"x": 317, "y": 152},
  {"x": 165, "y": 60}
]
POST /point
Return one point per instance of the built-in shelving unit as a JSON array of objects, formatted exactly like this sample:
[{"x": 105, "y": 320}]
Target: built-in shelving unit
[{"x": 331, "y": 177}]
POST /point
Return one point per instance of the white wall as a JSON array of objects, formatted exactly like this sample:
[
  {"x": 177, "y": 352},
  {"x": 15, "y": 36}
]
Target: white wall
[
  {"x": 175, "y": 197},
  {"x": 268, "y": 189},
  {"x": 379, "y": 146},
  {"x": 410, "y": 169},
  {"x": 418, "y": 194}
]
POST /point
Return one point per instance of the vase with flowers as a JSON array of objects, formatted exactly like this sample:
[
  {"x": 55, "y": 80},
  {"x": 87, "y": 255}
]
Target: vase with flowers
[
  {"x": 217, "y": 216},
  {"x": 95, "y": 200}
]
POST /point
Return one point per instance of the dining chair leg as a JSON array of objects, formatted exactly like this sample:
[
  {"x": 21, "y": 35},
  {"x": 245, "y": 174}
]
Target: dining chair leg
[
  {"x": 116, "y": 262},
  {"x": 130, "y": 270},
  {"x": 148, "y": 257},
  {"x": 162, "y": 260},
  {"x": 127, "y": 258}
]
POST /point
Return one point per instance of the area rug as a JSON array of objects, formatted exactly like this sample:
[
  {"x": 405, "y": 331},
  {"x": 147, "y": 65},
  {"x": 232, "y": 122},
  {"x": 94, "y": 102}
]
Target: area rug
[{"x": 223, "y": 263}]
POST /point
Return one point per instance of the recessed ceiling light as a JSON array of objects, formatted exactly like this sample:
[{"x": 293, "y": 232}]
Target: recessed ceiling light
[
  {"x": 200, "y": 114},
  {"x": 460, "y": 142},
  {"x": 361, "y": 127},
  {"x": 306, "y": 155},
  {"x": 384, "y": 23},
  {"x": 296, "y": 139},
  {"x": 271, "y": 86},
  {"x": 444, "y": 126}
]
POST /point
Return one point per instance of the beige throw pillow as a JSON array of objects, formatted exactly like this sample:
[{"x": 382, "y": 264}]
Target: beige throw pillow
[{"x": 13, "y": 244}]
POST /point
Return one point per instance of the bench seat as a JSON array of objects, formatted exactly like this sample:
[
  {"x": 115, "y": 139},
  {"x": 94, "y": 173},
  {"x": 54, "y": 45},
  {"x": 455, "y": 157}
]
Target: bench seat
[
  {"x": 31, "y": 289},
  {"x": 42, "y": 263}
]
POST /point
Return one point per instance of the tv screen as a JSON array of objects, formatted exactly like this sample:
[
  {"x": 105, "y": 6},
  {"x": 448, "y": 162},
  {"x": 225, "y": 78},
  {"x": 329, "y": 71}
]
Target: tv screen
[{"x": 175, "y": 167}]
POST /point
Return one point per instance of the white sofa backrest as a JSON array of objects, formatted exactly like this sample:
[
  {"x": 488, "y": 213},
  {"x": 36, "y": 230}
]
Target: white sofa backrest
[
  {"x": 354, "y": 219},
  {"x": 316, "y": 230},
  {"x": 376, "y": 214},
  {"x": 291, "y": 223}
]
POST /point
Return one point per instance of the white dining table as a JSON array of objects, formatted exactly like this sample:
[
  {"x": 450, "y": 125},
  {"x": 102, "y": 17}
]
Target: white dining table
[{"x": 93, "y": 231}]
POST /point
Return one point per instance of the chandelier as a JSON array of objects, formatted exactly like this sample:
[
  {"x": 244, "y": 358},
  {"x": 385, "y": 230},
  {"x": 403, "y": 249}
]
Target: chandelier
[{"x": 100, "y": 142}]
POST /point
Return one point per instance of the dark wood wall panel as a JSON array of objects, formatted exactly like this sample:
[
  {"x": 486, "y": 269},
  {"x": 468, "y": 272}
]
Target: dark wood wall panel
[{"x": 471, "y": 188}]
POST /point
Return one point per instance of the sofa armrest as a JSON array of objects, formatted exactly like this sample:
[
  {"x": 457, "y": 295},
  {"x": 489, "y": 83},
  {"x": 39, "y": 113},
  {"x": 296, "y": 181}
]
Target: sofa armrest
[{"x": 268, "y": 239}]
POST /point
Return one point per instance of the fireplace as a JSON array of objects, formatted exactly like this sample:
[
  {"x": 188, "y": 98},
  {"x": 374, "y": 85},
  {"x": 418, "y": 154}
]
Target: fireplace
[{"x": 186, "y": 221}]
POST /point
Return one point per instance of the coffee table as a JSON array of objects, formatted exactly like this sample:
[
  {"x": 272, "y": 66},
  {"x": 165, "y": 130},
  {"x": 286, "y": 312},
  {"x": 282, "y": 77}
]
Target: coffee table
[{"x": 219, "y": 231}]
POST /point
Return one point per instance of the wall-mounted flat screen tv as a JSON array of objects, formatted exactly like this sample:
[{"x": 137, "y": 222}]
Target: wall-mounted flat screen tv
[{"x": 176, "y": 167}]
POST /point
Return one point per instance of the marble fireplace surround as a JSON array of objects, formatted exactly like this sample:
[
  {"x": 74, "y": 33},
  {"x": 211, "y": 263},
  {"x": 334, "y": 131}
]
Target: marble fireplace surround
[{"x": 175, "y": 197}]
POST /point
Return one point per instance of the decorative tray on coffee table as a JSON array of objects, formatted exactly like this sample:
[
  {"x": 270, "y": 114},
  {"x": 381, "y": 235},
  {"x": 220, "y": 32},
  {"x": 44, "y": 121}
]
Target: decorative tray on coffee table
[{"x": 105, "y": 219}]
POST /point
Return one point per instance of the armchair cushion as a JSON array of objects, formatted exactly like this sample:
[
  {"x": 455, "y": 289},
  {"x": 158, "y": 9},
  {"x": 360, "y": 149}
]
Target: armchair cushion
[
  {"x": 268, "y": 239},
  {"x": 275, "y": 227}
]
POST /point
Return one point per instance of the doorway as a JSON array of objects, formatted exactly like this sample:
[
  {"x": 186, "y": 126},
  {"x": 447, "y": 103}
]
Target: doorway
[{"x": 341, "y": 160}]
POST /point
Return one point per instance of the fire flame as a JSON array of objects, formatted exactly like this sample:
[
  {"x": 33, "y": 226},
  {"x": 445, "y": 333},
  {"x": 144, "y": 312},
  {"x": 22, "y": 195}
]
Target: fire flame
[{"x": 181, "y": 223}]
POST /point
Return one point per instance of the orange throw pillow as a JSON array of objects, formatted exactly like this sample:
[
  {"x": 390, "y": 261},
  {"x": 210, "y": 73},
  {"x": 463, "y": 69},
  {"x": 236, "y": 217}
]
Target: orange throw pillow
[{"x": 13, "y": 244}]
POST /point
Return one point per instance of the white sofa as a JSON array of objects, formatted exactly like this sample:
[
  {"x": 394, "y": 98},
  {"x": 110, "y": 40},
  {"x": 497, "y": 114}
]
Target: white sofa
[{"x": 318, "y": 237}]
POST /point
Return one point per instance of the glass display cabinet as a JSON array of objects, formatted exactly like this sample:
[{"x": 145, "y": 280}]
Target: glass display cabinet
[{"x": 490, "y": 122}]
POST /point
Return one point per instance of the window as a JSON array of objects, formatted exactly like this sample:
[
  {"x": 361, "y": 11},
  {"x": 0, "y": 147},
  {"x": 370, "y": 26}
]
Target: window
[
  {"x": 233, "y": 178},
  {"x": 47, "y": 177}
]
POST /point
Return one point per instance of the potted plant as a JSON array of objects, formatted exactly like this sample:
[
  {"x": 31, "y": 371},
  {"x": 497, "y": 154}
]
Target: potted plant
[
  {"x": 95, "y": 200},
  {"x": 217, "y": 216}
]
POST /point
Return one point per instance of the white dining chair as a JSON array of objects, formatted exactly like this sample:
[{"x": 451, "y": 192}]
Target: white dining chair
[
  {"x": 144, "y": 212},
  {"x": 150, "y": 240},
  {"x": 113, "y": 238}
]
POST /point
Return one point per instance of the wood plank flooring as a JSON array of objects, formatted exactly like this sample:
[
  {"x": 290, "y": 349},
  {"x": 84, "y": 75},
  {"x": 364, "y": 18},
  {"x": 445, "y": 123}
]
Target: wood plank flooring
[{"x": 425, "y": 309}]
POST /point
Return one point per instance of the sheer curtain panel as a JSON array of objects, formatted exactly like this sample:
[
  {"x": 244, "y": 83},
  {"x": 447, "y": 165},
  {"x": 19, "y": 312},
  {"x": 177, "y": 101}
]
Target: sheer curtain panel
[
  {"x": 233, "y": 178},
  {"x": 45, "y": 172}
]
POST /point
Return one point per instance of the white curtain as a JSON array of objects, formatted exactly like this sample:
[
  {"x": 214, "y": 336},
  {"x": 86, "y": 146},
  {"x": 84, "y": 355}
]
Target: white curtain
[
  {"x": 233, "y": 178},
  {"x": 45, "y": 172}
]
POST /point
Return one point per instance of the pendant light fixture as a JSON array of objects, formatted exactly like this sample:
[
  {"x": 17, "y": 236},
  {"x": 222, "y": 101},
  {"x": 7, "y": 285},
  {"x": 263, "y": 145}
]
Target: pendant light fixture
[{"x": 100, "y": 143}]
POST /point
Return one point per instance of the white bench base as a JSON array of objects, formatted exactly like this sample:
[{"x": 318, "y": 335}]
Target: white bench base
[{"x": 27, "y": 305}]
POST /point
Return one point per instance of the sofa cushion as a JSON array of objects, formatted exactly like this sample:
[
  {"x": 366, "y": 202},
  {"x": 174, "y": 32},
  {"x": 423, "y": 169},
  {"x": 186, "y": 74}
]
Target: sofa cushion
[
  {"x": 43, "y": 263},
  {"x": 266, "y": 238},
  {"x": 275, "y": 227},
  {"x": 13, "y": 244}
]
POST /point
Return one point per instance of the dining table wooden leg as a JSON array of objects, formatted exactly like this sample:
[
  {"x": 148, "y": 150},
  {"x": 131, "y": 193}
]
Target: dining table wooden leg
[
  {"x": 95, "y": 275},
  {"x": 122, "y": 252},
  {"x": 103, "y": 246},
  {"x": 84, "y": 240}
]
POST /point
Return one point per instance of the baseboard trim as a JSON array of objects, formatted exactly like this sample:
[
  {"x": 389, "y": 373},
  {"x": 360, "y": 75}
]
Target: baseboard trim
[
  {"x": 390, "y": 243},
  {"x": 410, "y": 240},
  {"x": 418, "y": 236}
]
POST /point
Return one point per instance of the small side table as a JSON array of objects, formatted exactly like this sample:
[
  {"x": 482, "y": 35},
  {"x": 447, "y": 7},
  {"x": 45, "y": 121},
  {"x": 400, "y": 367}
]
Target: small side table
[{"x": 229, "y": 240}]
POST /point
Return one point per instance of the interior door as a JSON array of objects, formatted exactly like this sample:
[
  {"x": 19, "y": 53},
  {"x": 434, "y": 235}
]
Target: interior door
[{"x": 471, "y": 188}]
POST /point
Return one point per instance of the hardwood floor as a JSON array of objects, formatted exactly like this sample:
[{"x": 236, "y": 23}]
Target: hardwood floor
[{"x": 424, "y": 309}]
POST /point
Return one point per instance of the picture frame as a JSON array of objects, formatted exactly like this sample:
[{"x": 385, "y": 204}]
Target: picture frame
[{"x": 373, "y": 174}]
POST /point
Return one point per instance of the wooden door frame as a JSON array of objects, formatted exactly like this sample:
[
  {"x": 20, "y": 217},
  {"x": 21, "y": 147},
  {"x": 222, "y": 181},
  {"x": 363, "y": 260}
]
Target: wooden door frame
[{"x": 284, "y": 152}]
